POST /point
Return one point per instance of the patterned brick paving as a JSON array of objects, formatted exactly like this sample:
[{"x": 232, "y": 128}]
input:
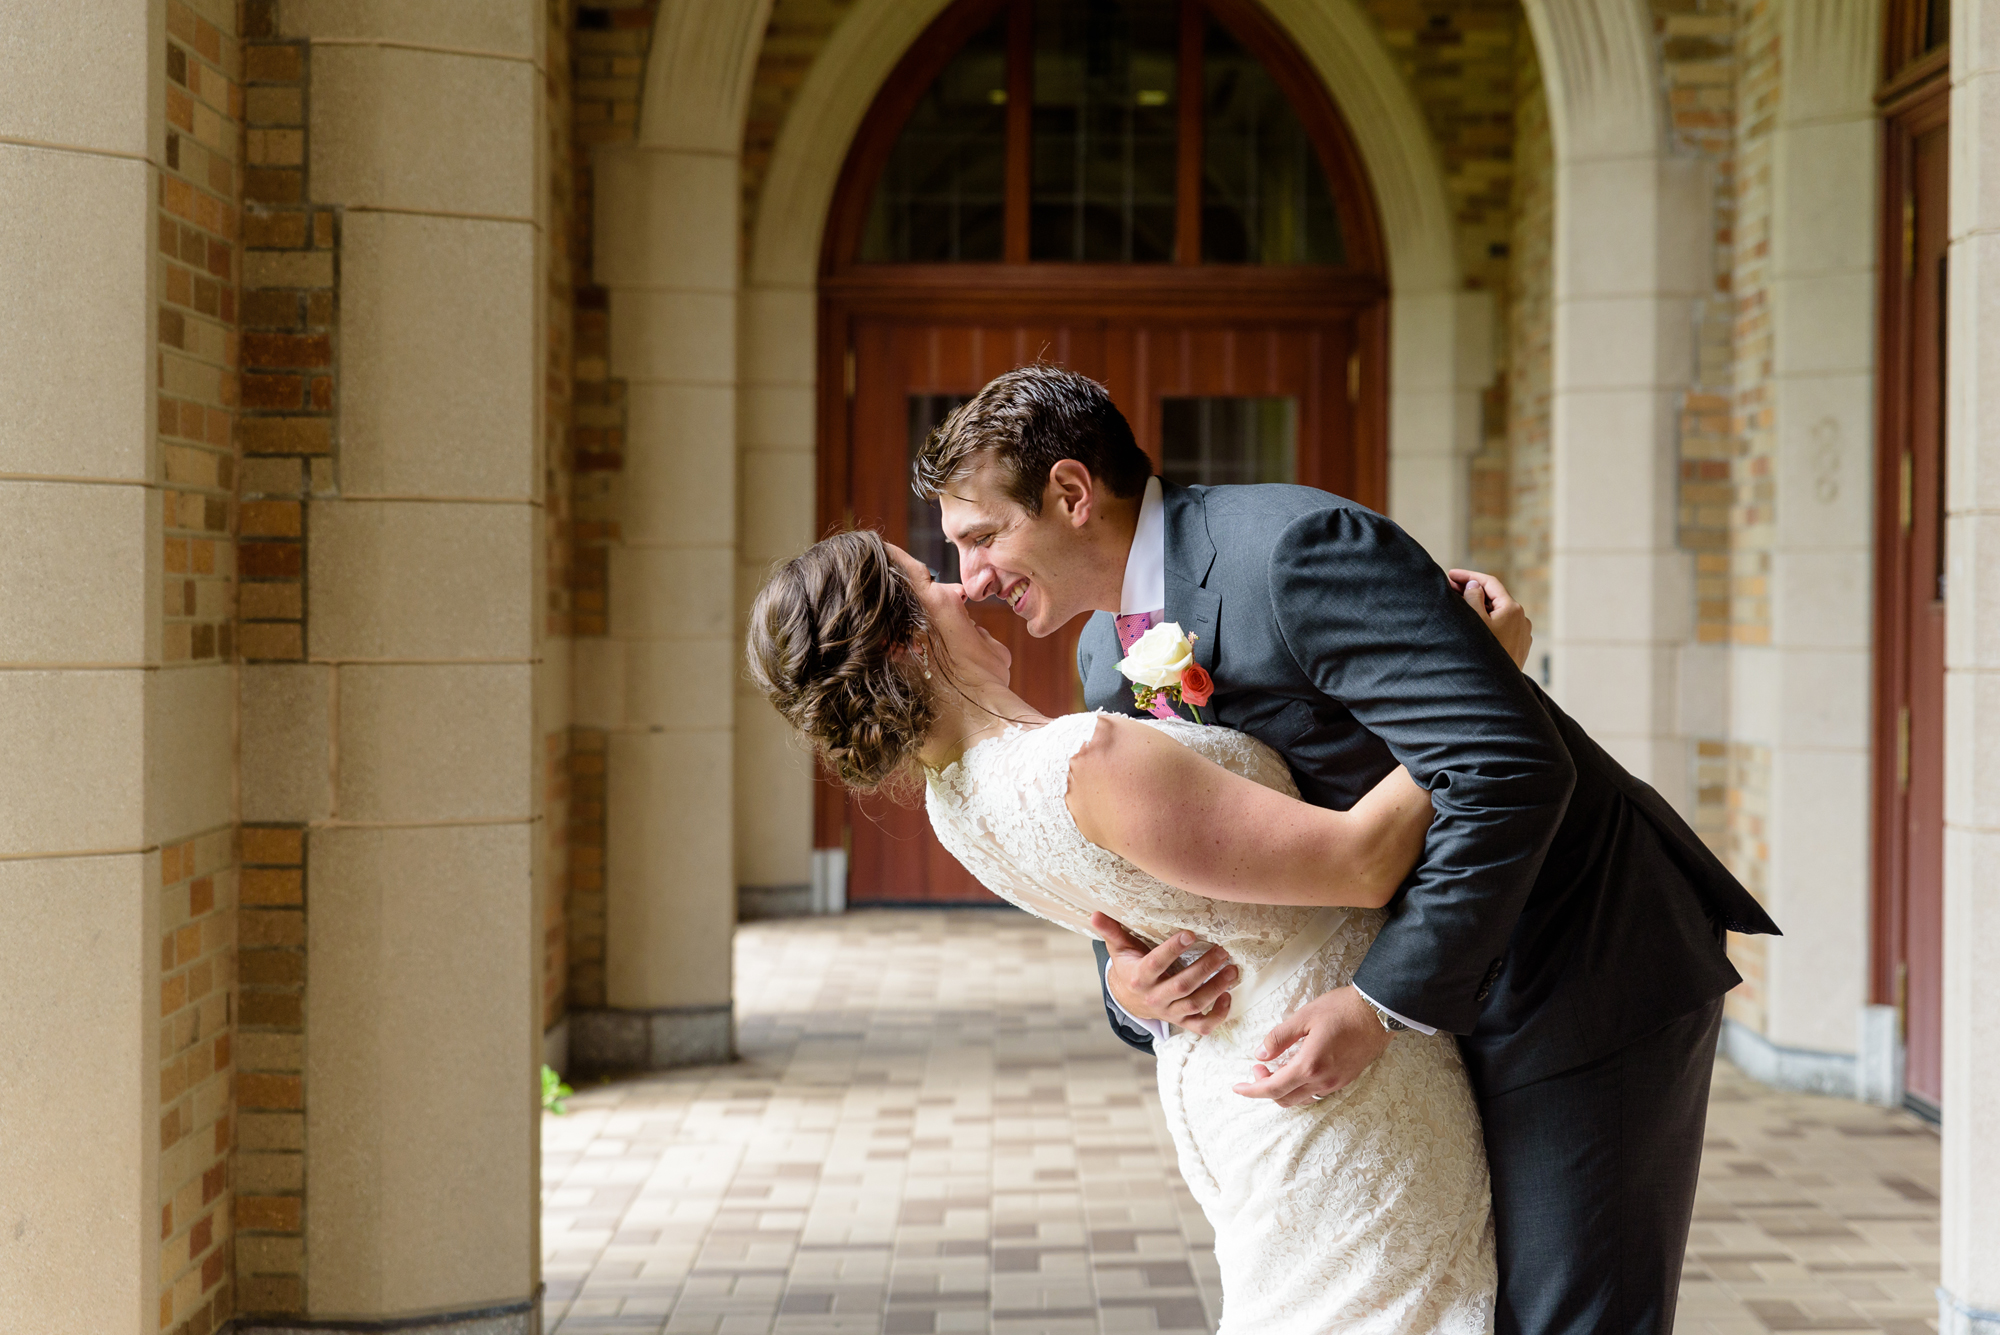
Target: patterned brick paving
[{"x": 932, "y": 1131}]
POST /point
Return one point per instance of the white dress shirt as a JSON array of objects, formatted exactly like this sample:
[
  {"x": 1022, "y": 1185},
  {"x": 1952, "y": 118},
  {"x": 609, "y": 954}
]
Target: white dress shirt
[
  {"x": 1146, "y": 563},
  {"x": 1146, "y": 591}
]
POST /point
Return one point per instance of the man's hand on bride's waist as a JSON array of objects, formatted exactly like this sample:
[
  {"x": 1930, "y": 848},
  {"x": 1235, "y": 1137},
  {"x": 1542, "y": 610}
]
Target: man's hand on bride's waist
[
  {"x": 1332, "y": 1039},
  {"x": 1151, "y": 984}
]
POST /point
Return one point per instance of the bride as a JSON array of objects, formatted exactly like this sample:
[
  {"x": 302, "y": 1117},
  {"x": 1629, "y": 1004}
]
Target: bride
[{"x": 1365, "y": 1212}]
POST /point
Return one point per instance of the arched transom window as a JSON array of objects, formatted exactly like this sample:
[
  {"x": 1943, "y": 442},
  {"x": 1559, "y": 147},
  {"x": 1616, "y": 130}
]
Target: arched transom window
[{"x": 1107, "y": 132}]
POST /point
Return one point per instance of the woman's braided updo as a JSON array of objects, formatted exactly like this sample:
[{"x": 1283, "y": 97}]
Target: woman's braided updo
[{"x": 830, "y": 640}]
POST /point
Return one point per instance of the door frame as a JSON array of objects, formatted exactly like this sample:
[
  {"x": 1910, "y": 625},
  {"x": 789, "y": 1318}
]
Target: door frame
[{"x": 1916, "y": 101}]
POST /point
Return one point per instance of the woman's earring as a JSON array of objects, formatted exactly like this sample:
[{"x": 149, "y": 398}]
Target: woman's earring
[{"x": 924, "y": 657}]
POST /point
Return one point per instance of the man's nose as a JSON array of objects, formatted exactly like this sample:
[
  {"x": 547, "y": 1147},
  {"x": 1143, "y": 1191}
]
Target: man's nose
[{"x": 975, "y": 576}]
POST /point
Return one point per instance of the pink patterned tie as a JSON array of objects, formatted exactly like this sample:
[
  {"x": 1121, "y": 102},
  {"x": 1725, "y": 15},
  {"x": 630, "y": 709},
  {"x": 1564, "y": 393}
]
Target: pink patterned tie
[{"x": 1130, "y": 628}]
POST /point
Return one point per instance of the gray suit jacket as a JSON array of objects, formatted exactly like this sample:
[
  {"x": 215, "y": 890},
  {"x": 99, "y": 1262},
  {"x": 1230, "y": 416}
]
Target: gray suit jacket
[{"x": 1561, "y": 907}]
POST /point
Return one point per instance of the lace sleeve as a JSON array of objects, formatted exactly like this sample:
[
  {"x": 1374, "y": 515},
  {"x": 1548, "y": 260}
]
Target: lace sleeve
[{"x": 972, "y": 830}]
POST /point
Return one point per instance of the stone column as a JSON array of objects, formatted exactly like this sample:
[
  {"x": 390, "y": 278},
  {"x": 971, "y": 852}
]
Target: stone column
[
  {"x": 775, "y": 860},
  {"x": 81, "y": 134},
  {"x": 1440, "y": 363},
  {"x": 1631, "y": 252},
  {"x": 662, "y": 682},
  {"x": 1969, "y": 1294},
  {"x": 408, "y": 739},
  {"x": 1805, "y": 695}
]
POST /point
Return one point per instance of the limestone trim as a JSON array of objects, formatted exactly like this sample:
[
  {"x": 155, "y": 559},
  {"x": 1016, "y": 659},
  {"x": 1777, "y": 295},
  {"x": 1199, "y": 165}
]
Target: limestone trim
[
  {"x": 1602, "y": 77},
  {"x": 1838, "y": 41},
  {"x": 1804, "y": 1069},
  {"x": 17, "y": 141},
  {"x": 521, "y": 1317},
  {"x": 699, "y": 73},
  {"x": 477, "y": 53},
  {"x": 1969, "y": 1251},
  {"x": 656, "y": 1038},
  {"x": 1954, "y": 1318}
]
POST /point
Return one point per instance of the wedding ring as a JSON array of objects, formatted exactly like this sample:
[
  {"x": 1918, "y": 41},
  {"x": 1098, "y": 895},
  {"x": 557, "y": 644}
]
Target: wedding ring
[{"x": 1317, "y": 1097}]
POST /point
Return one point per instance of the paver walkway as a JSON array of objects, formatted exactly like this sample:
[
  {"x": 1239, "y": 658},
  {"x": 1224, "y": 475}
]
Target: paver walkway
[{"x": 931, "y": 1130}]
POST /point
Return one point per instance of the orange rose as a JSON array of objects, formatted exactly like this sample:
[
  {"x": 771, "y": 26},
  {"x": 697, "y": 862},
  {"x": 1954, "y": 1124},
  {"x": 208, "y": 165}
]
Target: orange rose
[{"x": 1196, "y": 685}]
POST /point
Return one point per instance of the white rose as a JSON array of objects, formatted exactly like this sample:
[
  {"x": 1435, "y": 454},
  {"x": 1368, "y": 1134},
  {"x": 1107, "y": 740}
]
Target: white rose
[{"x": 1159, "y": 657}]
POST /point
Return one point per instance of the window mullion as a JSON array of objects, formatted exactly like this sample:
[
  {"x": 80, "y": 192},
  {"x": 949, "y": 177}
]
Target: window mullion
[
  {"x": 1020, "y": 127},
  {"x": 1188, "y": 167}
]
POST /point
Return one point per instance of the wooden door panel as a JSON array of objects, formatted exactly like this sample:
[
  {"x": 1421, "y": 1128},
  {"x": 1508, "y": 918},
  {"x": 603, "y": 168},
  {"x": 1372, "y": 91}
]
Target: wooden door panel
[
  {"x": 1923, "y": 630},
  {"x": 1909, "y": 724}
]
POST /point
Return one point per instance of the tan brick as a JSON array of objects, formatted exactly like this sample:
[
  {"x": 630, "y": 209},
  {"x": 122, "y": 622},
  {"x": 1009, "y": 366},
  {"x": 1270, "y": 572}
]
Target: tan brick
[
  {"x": 284, "y": 435},
  {"x": 270, "y": 1052},
  {"x": 264, "y": 887},
  {"x": 270, "y": 601},
  {"x": 266, "y": 1091},
  {"x": 272, "y": 106},
  {"x": 268, "y": 1253},
  {"x": 283, "y": 268},
  {"x": 270, "y": 1173},
  {"x": 281, "y": 847},
  {"x": 269, "y": 64},
  {"x": 284, "y": 230},
  {"x": 269, "y": 519},
  {"x": 271, "y": 927}
]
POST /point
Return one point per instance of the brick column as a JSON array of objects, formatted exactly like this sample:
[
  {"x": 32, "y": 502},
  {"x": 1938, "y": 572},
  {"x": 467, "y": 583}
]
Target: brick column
[
  {"x": 1969, "y": 1295},
  {"x": 393, "y": 766}
]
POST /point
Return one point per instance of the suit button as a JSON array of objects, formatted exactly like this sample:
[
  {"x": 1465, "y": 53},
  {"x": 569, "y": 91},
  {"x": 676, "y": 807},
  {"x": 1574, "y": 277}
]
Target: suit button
[{"x": 1485, "y": 991}]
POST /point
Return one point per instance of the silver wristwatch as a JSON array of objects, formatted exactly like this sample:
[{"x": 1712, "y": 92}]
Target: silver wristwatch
[{"x": 1389, "y": 1022}]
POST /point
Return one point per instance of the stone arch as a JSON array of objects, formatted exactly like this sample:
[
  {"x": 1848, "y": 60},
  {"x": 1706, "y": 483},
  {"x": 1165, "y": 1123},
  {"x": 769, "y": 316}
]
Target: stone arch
[{"x": 1440, "y": 336}]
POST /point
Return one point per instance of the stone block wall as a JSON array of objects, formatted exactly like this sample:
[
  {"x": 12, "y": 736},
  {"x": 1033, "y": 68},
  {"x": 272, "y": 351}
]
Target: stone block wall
[{"x": 1720, "y": 63}]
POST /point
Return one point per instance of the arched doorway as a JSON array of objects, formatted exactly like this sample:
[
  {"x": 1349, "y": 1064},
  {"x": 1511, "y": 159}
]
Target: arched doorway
[{"x": 1158, "y": 193}]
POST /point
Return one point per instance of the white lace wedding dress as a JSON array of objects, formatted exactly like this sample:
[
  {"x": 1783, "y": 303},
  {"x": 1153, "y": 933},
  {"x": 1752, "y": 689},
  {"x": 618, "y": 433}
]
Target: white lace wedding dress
[{"x": 1365, "y": 1213}]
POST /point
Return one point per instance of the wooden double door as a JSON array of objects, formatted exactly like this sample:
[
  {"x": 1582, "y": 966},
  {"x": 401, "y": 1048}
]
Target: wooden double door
[{"x": 1211, "y": 400}]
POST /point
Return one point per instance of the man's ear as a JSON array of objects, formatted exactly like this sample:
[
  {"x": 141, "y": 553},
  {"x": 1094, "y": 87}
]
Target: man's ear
[{"x": 1073, "y": 489}]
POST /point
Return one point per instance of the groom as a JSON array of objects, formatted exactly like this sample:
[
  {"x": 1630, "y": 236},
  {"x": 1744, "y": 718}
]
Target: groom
[{"x": 1564, "y": 922}]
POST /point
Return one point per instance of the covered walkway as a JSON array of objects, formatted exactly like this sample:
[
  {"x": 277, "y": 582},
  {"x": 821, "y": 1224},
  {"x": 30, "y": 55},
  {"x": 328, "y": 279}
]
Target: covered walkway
[{"x": 931, "y": 1131}]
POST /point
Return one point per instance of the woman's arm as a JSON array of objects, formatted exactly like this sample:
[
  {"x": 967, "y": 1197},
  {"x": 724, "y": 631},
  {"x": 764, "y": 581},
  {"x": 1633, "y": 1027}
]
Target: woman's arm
[{"x": 1197, "y": 826}]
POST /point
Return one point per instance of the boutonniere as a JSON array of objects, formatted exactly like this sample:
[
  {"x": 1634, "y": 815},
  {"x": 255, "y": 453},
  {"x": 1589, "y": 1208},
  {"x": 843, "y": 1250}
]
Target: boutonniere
[{"x": 1160, "y": 664}]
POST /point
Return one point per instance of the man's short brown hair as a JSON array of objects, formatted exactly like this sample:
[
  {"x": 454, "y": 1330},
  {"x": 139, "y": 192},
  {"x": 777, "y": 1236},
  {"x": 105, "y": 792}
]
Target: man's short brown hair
[{"x": 1026, "y": 421}]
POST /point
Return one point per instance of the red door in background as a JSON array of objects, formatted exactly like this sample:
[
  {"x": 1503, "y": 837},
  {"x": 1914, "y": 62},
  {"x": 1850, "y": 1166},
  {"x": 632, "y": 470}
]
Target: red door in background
[{"x": 1910, "y": 569}]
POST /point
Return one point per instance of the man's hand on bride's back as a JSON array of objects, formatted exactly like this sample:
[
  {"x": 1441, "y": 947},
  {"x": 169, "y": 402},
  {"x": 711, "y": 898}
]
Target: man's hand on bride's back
[
  {"x": 1507, "y": 619},
  {"x": 1337, "y": 1034},
  {"x": 1150, "y": 984}
]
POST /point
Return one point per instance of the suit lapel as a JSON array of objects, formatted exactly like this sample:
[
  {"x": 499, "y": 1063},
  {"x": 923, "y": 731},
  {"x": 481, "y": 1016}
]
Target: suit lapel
[{"x": 1190, "y": 553}]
